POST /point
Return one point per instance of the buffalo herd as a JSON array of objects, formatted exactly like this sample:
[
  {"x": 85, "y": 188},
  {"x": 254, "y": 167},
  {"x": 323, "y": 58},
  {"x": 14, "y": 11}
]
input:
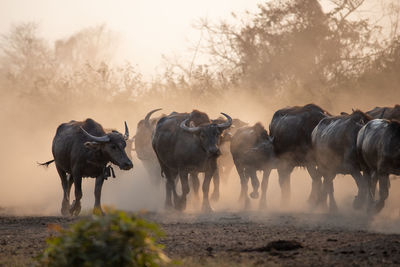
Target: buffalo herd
[{"x": 180, "y": 146}]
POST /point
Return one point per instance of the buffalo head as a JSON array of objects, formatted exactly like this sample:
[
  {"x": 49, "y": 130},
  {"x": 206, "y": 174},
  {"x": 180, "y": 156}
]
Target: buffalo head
[
  {"x": 263, "y": 150},
  {"x": 112, "y": 145},
  {"x": 209, "y": 134}
]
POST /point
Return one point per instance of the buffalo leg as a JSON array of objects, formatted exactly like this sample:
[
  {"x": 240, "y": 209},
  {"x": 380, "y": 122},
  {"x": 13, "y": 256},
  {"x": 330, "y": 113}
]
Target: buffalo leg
[
  {"x": 254, "y": 182},
  {"x": 76, "y": 205},
  {"x": 64, "y": 182},
  {"x": 330, "y": 191},
  {"x": 206, "y": 186},
  {"x": 70, "y": 183},
  {"x": 373, "y": 183},
  {"x": 384, "y": 185},
  {"x": 216, "y": 181},
  {"x": 97, "y": 194},
  {"x": 361, "y": 181},
  {"x": 153, "y": 172},
  {"x": 185, "y": 190},
  {"x": 244, "y": 180},
  {"x": 284, "y": 182},
  {"x": 264, "y": 186},
  {"x": 323, "y": 194},
  {"x": 170, "y": 190},
  {"x": 316, "y": 186},
  {"x": 194, "y": 180},
  {"x": 168, "y": 194},
  {"x": 169, "y": 185}
]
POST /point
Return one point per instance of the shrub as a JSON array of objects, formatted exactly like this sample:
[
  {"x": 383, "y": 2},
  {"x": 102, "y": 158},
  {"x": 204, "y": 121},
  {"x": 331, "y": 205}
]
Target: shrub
[{"x": 116, "y": 239}]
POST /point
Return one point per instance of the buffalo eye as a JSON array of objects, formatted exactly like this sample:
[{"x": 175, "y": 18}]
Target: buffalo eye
[{"x": 113, "y": 147}]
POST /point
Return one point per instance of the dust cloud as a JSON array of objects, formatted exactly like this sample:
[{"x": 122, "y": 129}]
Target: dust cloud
[
  {"x": 32, "y": 108},
  {"x": 27, "y": 189}
]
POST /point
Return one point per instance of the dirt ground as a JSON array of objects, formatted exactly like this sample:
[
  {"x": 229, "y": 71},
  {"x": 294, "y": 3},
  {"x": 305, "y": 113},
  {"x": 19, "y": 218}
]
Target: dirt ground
[{"x": 234, "y": 239}]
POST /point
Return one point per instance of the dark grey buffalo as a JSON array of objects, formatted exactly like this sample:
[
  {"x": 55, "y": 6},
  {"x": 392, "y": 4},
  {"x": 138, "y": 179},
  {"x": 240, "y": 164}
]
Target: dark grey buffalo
[
  {"x": 334, "y": 141},
  {"x": 83, "y": 149},
  {"x": 389, "y": 113},
  {"x": 183, "y": 148},
  {"x": 144, "y": 149},
  {"x": 291, "y": 129},
  {"x": 378, "y": 143},
  {"x": 224, "y": 161},
  {"x": 252, "y": 151}
]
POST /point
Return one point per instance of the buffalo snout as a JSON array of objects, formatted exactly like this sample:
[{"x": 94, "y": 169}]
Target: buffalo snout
[
  {"x": 127, "y": 165},
  {"x": 214, "y": 151}
]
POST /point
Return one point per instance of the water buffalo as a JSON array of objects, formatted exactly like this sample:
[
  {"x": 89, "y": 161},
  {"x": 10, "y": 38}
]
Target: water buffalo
[
  {"x": 252, "y": 150},
  {"x": 183, "y": 149},
  {"x": 291, "y": 129},
  {"x": 144, "y": 149},
  {"x": 385, "y": 113},
  {"x": 83, "y": 149},
  {"x": 378, "y": 143},
  {"x": 334, "y": 142},
  {"x": 129, "y": 143},
  {"x": 224, "y": 161}
]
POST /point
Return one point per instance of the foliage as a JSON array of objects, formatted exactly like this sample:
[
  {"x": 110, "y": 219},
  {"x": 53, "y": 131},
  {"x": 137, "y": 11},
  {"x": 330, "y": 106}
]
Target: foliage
[
  {"x": 292, "y": 50},
  {"x": 294, "y": 47},
  {"x": 116, "y": 239}
]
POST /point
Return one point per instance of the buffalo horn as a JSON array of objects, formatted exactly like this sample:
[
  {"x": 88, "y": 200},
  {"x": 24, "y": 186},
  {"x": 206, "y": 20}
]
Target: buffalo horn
[
  {"x": 100, "y": 139},
  {"x": 227, "y": 124},
  {"x": 189, "y": 129},
  {"x": 146, "y": 119},
  {"x": 126, "y": 135}
]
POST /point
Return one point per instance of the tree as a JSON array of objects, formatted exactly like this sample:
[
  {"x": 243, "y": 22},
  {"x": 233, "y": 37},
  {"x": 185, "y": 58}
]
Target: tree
[
  {"x": 294, "y": 48},
  {"x": 92, "y": 45},
  {"x": 26, "y": 60}
]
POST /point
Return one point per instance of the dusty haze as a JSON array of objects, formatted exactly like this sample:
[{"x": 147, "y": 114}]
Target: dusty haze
[
  {"x": 32, "y": 109},
  {"x": 26, "y": 188}
]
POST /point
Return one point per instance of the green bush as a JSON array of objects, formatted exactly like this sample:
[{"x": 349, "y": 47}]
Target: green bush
[{"x": 116, "y": 239}]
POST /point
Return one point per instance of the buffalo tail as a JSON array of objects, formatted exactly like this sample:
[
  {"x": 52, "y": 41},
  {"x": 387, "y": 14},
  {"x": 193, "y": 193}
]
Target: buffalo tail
[{"x": 46, "y": 164}]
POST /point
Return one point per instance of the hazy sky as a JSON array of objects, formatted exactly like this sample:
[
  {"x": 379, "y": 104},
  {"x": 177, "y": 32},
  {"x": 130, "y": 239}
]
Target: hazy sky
[{"x": 148, "y": 28}]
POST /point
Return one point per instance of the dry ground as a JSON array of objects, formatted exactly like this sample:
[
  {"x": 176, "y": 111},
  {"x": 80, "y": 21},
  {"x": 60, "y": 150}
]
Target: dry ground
[{"x": 233, "y": 239}]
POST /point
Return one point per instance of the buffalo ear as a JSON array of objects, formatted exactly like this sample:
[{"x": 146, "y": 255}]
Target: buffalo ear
[{"x": 92, "y": 145}]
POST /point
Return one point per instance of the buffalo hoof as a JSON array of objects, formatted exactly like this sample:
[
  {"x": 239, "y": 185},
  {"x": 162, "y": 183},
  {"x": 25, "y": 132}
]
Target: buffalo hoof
[
  {"x": 180, "y": 204},
  {"x": 358, "y": 203},
  {"x": 215, "y": 196},
  {"x": 65, "y": 209},
  {"x": 168, "y": 207},
  {"x": 313, "y": 201},
  {"x": 98, "y": 211},
  {"x": 254, "y": 195},
  {"x": 321, "y": 203},
  {"x": 206, "y": 208},
  {"x": 75, "y": 208},
  {"x": 378, "y": 206}
]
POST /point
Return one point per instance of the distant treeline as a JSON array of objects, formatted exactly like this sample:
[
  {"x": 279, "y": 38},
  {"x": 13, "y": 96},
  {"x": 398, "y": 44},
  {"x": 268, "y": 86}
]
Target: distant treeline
[{"x": 292, "y": 51}]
